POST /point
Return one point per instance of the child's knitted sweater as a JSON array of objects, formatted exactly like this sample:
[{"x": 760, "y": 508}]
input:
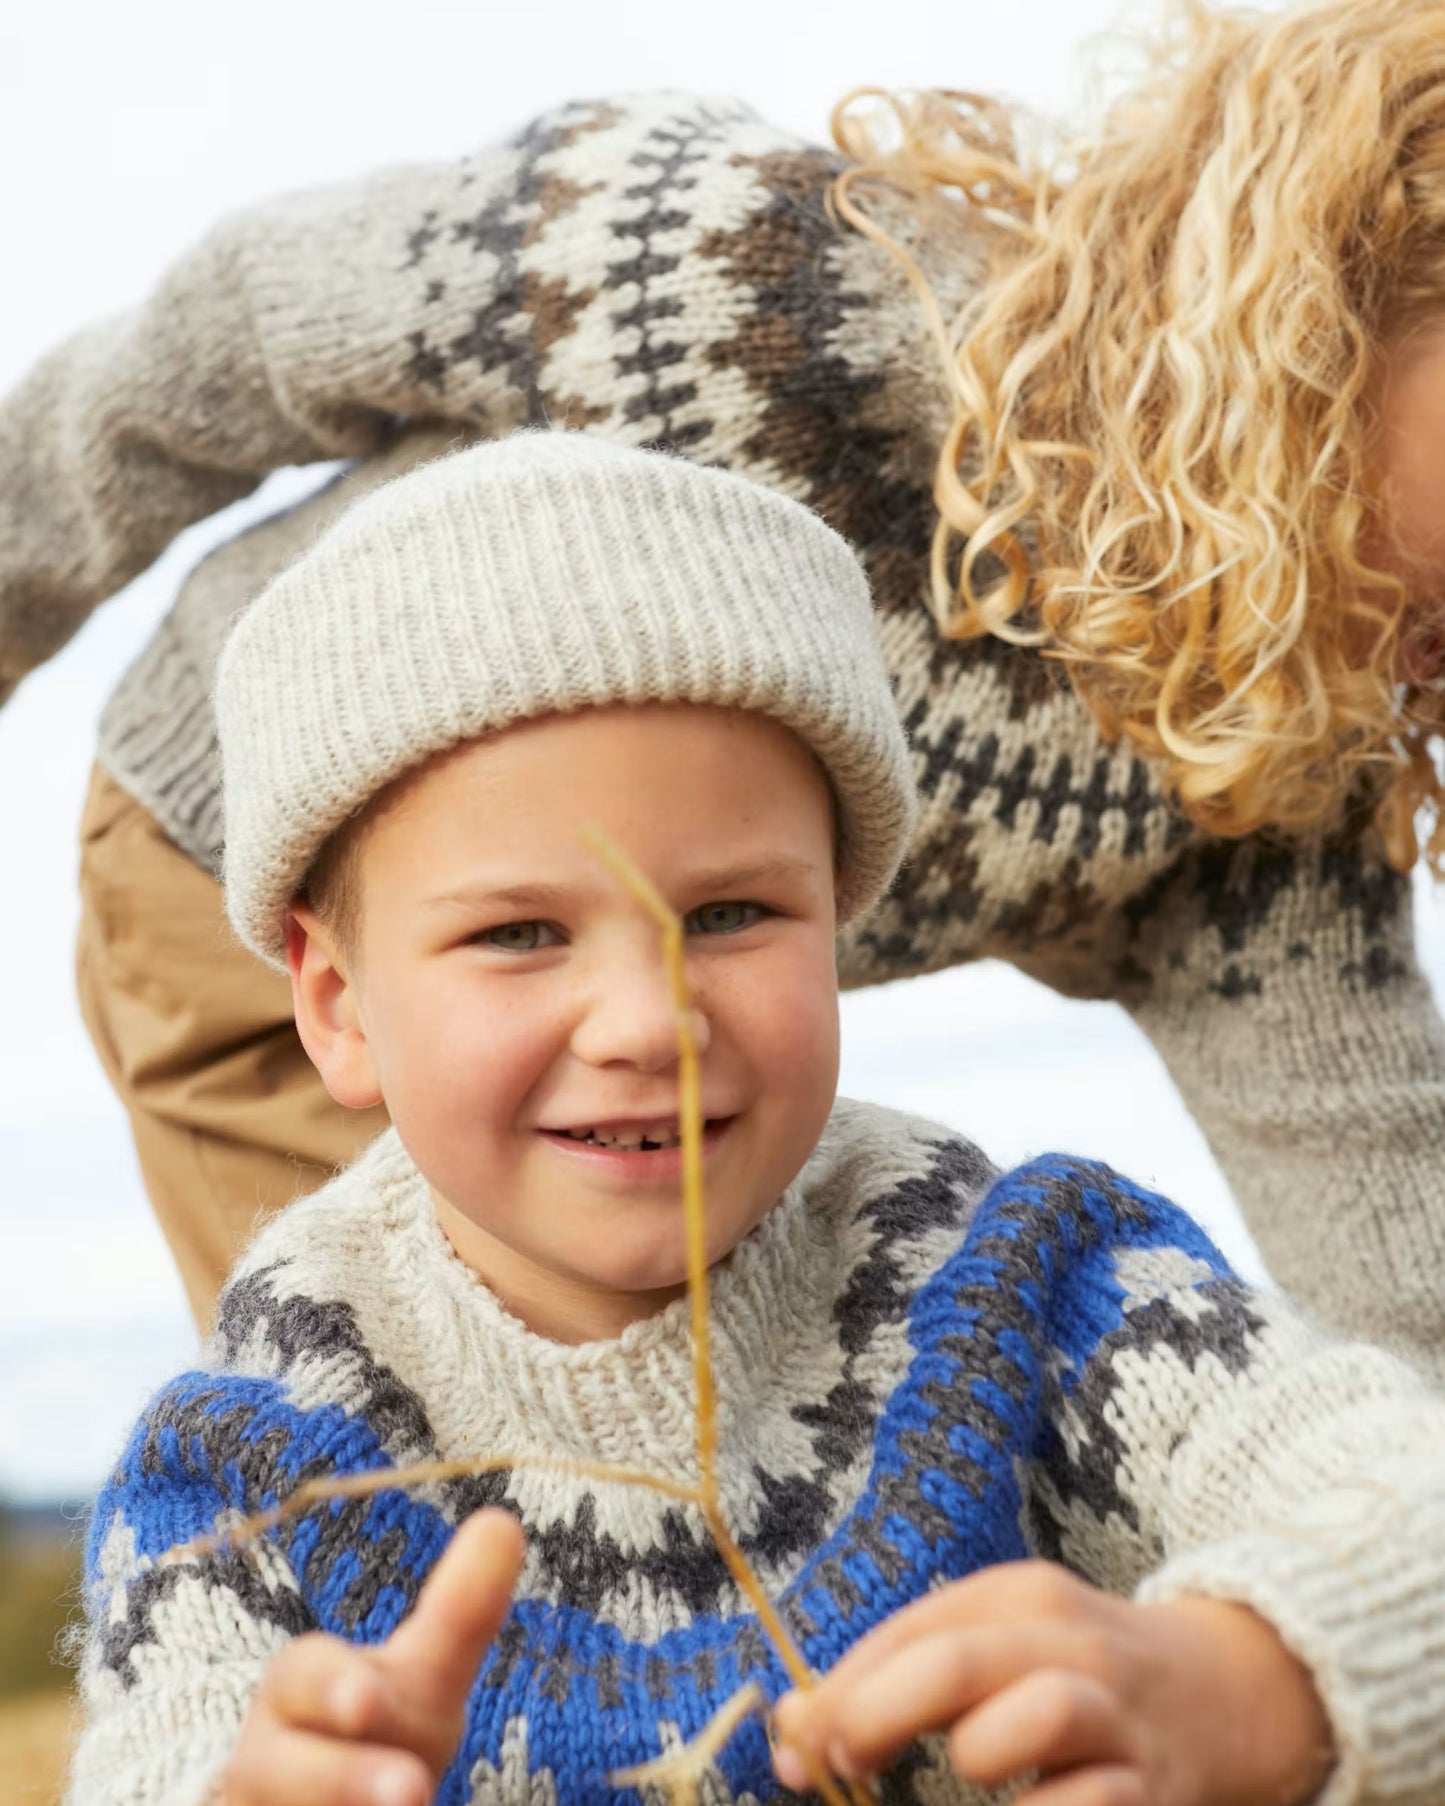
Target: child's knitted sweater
[
  {"x": 664, "y": 270},
  {"x": 923, "y": 1369}
]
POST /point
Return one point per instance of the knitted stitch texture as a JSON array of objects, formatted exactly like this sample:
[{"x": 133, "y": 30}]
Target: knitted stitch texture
[
  {"x": 663, "y": 270},
  {"x": 542, "y": 574},
  {"x": 923, "y": 1369}
]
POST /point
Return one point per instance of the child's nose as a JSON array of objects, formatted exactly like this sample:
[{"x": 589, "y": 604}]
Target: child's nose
[{"x": 631, "y": 1019}]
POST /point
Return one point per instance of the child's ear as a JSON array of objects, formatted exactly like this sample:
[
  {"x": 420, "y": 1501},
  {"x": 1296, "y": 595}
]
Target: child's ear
[{"x": 328, "y": 1019}]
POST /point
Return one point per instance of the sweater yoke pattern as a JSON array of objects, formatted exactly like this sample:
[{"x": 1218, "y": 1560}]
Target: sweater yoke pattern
[{"x": 936, "y": 1450}]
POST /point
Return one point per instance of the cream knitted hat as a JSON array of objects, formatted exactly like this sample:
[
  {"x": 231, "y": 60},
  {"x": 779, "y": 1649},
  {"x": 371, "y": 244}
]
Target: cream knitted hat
[{"x": 535, "y": 575}]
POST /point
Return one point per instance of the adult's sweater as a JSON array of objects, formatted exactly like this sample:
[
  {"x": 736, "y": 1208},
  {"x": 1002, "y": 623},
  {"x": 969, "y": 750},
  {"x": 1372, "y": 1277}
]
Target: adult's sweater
[
  {"x": 923, "y": 1369},
  {"x": 664, "y": 270}
]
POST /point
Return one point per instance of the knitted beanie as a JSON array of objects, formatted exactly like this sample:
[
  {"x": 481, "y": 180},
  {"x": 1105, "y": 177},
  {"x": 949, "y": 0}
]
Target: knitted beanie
[{"x": 536, "y": 575}]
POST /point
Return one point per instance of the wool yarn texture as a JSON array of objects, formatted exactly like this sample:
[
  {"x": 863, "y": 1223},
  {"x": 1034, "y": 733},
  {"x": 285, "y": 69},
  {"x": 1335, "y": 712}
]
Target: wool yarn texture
[
  {"x": 924, "y": 1367},
  {"x": 541, "y": 574}
]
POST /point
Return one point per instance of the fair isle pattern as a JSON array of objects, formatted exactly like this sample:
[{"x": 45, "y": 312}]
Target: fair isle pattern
[
  {"x": 1030, "y": 1395},
  {"x": 663, "y": 270}
]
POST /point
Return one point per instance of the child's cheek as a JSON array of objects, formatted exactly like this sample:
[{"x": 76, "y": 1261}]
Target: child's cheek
[
  {"x": 497, "y": 1051},
  {"x": 457, "y": 1059},
  {"x": 795, "y": 1023}
]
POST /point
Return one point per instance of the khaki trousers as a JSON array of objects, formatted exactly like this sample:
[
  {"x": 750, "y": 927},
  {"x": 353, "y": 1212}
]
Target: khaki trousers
[{"x": 230, "y": 1118}]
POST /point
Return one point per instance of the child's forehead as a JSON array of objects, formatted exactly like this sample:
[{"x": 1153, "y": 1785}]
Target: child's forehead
[
  {"x": 727, "y": 785},
  {"x": 618, "y": 746}
]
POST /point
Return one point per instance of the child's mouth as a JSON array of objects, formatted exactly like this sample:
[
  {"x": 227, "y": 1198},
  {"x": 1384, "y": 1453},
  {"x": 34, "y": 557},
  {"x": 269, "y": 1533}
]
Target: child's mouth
[
  {"x": 631, "y": 1138},
  {"x": 651, "y": 1148}
]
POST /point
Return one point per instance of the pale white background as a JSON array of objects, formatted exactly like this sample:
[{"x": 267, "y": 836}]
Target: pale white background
[{"x": 124, "y": 131}]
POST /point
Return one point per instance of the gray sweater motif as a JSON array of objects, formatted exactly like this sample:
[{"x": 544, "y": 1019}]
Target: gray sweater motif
[{"x": 664, "y": 270}]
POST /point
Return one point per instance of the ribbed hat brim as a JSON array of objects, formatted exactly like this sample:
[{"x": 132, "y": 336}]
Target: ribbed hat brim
[{"x": 536, "y": 575}]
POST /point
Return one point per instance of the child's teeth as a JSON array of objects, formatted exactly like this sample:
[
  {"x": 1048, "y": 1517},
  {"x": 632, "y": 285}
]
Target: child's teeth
[{"x": 628, "y": 1139}]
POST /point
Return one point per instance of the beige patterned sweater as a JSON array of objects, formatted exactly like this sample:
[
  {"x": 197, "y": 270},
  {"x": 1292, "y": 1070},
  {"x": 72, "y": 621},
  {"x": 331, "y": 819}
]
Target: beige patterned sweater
[
  {"x": 664, "y": 270},
  {"x": 923, "y": 1368}
]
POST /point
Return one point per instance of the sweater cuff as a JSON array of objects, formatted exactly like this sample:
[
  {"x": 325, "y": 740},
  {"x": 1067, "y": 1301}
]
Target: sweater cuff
[{"x": 1366, "y": 1622}]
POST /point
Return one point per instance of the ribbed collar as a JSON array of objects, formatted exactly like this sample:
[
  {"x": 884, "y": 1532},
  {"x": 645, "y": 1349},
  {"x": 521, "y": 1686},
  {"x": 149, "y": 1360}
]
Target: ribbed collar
[{"x": 488, "y": 1383}]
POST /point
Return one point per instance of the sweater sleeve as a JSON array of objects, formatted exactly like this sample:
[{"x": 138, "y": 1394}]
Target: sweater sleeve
[
  {"x": 173, "y": 1650},
  {"x": 1212, "y": 1442},
  {"x": 300, "y": 330},
  {"x": 1282, "y": 990}
]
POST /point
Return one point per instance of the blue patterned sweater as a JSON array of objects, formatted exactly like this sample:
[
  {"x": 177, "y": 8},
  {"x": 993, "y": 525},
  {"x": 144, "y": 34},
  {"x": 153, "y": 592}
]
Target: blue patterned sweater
[{"x": 924, "y": 1368}]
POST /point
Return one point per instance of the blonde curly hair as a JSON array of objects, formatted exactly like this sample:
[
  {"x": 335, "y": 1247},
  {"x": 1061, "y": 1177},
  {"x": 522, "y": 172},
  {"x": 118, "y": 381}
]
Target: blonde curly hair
[{"x": 1159, "y": 469}]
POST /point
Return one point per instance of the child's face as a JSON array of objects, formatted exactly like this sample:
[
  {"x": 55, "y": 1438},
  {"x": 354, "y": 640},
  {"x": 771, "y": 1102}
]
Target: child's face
[{"x": 506, "y": 997}]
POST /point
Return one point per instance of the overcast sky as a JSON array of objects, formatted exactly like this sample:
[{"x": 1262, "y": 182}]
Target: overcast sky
[{"x": 124, "y": 131}]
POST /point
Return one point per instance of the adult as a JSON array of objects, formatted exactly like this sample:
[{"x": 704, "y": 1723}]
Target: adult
[{"x": 1171, "y": 702}]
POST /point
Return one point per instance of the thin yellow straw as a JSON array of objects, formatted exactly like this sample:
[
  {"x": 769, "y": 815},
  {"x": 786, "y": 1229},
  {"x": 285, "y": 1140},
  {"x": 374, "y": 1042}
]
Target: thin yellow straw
[
  {"x": 694, "y": 1223},
  {"x": 689, "y": 1111}
]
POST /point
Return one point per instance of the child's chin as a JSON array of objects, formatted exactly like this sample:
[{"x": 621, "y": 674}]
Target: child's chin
[
  {"x": 644, "y": 1279},
  {"x": 649, "y": 1275},
  {"x": 661, "y": 1273}
]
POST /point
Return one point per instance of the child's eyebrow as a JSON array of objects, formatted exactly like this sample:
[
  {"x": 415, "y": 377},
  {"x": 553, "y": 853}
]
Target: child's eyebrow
[
  {"x": 724, "y": 880},
  {"x": 506, "y": 896}
]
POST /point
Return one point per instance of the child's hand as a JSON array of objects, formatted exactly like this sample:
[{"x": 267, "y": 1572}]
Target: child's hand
[
  {"x": 338, "y": 1724},
  {"x": 1193, "y": 1703}
]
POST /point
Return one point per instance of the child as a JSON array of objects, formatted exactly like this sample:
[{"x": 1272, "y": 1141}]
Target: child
[{"x": 929, "y": 1377}]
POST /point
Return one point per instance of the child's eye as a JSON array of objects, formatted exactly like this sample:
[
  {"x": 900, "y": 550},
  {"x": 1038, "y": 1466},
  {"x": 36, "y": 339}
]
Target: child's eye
[
  {"x": 519, "y": 937},
  {"x": 722, "y": 918}
]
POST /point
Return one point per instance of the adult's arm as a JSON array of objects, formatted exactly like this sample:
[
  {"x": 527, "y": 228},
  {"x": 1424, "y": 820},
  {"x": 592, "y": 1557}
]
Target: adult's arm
[
  {"x": 1282, "y": 989},
  {"x": 309, "y": 327},
  {"x": 140, "y": 425}
]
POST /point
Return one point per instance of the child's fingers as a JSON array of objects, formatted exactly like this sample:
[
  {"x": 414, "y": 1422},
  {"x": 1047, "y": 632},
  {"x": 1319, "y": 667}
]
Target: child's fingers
[
  {"x": 1000, "y": 1595},
  {"x": 1114, "y": 1785},
  {"x": 297, "y": 1680},
  {"x": 320, "y": 1683},
  {"x": 926, "y": 1686},
  {"x": 280, "y": 1766},
  {"x": 1052, "y": 1719},
  {"x": 436, "y": 1651}
]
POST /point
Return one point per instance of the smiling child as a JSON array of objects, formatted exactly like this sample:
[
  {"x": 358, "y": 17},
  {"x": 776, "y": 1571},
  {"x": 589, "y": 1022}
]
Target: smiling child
[
  {"x": 529, "y": 1061},
  {"x": 1033, "y": 1477}
]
